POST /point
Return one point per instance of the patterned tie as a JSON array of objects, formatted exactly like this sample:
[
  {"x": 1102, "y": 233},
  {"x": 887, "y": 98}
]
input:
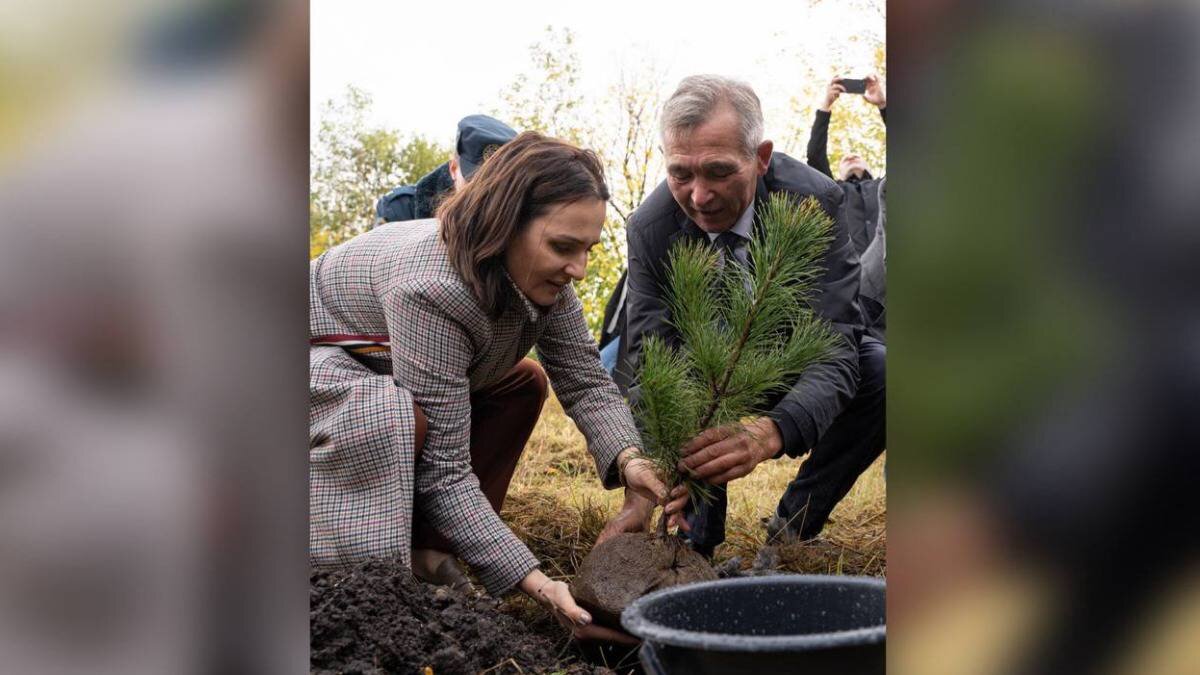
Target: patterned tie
[
  {"x": 732, "y": 247},
  {"x": 729, "y": 244}
]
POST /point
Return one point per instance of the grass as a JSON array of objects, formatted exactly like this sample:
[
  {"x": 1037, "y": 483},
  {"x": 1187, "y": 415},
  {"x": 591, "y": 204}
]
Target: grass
[{"x": 557, "y": 506}]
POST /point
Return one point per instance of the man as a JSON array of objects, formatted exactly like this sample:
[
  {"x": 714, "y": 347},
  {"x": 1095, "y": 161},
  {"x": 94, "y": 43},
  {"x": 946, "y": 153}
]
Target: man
[
  {"x": 478, "y": 137},
  {"x": 719, "y": 169},
  {"x": 865, "y": 208}
]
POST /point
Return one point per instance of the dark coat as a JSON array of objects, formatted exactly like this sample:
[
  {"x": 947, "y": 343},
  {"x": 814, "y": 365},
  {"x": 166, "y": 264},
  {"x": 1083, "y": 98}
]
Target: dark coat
[
  {"x": 865, "y": 220},
  {"x": 415, "y": 202},
  {"x": 806, "y": 411}
]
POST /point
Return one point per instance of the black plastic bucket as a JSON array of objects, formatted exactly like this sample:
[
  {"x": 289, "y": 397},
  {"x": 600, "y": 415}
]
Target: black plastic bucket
[{"x": 794, "y": 623}]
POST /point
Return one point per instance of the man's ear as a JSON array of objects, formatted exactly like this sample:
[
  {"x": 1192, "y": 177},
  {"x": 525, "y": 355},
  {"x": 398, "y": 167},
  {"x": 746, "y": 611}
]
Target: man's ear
[
  {"x": 456, "y": 172},
  {"x": 762, "y": 157}
]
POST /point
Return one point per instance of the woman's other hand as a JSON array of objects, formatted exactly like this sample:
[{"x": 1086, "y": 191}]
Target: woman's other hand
[{"x": 555, "y": 596}]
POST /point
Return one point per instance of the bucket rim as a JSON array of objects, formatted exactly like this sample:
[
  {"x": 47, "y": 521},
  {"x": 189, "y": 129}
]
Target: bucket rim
[{"x": 634, "y": 620}]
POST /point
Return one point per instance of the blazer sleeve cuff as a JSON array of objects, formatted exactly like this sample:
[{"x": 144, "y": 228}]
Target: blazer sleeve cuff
[
  {"x": 503, "y": 578},
  {"x": 606, "y": 458}
]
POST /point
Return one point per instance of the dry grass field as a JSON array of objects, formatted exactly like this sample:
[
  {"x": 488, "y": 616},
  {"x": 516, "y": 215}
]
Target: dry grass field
[{"x": 557, "y": 505}]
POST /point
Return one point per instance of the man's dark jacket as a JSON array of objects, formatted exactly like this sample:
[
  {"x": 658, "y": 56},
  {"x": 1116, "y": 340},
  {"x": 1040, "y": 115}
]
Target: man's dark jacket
[
  {"x": 806, "y": 411},
  {"x": 415, "y": 202}
]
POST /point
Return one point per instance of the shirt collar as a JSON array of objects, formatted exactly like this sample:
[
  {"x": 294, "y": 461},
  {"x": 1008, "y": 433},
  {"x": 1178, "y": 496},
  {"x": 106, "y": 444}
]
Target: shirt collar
[{"x": 744, "y": 227}]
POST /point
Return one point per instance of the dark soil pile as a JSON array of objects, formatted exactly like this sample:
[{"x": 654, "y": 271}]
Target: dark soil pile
[
  {"x": 628, "y": 566},
  {"x": 375, "y": 618}
]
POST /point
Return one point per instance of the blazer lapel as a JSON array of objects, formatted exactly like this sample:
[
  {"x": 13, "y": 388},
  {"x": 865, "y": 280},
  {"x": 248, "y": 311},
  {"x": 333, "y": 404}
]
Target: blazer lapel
[{"x": 686, "y": 228}]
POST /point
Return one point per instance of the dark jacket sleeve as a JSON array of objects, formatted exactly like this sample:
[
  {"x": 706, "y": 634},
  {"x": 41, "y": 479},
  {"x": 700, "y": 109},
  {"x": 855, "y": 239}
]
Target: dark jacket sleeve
[
  {"x": 613, "y": 311},
  {"x": 824, "y": 390},
  {"x": 818, "y": 143},
  {"x": 646, "y": 310}
]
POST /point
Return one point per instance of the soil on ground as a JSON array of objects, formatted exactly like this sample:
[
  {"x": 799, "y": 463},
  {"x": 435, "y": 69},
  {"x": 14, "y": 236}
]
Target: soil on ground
[
  {"x": 376, "y": 618},
  {"x": 628, "y": 566}
]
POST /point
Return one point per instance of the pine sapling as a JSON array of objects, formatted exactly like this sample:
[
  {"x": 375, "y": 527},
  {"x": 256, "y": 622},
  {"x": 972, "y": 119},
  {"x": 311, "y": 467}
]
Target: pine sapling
[{"x": 745, "y": 334}]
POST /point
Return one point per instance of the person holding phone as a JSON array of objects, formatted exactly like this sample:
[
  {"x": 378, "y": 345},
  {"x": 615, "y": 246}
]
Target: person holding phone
[{"x": 865, "y": 194}]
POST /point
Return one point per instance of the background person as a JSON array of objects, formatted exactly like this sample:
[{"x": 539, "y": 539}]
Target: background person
[
  {"x": 478, "y": 137},
  {"x": 865, "y": 202}
]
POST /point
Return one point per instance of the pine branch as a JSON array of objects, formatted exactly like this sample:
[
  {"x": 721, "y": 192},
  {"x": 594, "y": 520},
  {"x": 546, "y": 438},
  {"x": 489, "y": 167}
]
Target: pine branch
[{"x": 744, "y": 334}]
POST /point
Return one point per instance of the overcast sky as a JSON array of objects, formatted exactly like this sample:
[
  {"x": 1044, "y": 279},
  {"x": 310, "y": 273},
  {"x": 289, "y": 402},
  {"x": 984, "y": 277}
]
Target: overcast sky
[{"x": 426, "y": 64}]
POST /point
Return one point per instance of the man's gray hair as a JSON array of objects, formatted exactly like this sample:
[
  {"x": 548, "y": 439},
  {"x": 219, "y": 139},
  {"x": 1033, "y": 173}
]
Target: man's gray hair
[{"x": 698, "y": 96}]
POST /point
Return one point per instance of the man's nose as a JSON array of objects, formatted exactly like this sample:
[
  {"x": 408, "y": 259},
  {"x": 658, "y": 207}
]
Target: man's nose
[{"x": 701, "y": 194}]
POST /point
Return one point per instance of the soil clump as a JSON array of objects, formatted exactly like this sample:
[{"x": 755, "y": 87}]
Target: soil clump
[
  {"x": 628, "y": 566},
  {"x": 376, "y": 618}
]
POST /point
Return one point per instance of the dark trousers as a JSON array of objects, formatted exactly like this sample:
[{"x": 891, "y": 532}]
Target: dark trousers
[
  {"x": 503, "y": 415},
  {"x": 854, "y": 440}
]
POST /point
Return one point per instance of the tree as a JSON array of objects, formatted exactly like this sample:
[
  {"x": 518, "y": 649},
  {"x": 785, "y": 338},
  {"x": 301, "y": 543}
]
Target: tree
[
  {"x": 745, "y": 333},
  {"x": 622, "y": 129},
  {"x": 548, "y": 99},
  {"x": 855, "y": 125},
  {"x": 629, "y": 149},
  {"x": 353, "y": 166}
]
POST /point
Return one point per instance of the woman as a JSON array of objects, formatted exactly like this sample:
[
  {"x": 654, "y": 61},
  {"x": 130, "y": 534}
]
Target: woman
[{"x": 417, "y": 328}]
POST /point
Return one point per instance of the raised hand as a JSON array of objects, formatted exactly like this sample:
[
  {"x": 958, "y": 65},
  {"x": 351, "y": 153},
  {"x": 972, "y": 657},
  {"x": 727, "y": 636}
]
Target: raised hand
[
  {"x": 832, "y": 92},
  {"x": 874, "y": 93}
]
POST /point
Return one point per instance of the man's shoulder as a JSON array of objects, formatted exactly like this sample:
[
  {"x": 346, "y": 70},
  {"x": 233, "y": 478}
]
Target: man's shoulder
[
  {"x": 415, "y": 202},
  {"x": 657, "y": 215},
  {"x": 398, "y": 205},
  {"x": 788, "y": 174}
]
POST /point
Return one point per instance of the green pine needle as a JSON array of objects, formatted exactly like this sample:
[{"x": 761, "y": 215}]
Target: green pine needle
[{"x": 746, "y": 335}]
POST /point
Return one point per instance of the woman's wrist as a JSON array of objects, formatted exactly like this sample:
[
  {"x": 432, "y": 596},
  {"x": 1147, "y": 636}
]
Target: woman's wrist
[
  {"x": 623, "y": 459},
  {"x": 534, "y": 583}
]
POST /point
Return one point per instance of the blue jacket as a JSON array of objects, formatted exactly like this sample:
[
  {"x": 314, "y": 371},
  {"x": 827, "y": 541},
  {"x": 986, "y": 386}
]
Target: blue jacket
[{"x": 414, "y": 202}]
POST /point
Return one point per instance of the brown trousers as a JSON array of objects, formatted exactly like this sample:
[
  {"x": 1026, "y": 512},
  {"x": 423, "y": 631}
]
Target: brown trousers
[{"x": 502, "y": 418}]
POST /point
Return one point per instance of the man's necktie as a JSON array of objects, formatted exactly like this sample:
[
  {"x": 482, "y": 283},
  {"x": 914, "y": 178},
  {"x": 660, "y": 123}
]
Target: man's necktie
[
  {"x": 733, "y": 251},
  {"x": 730, "y": 244}
]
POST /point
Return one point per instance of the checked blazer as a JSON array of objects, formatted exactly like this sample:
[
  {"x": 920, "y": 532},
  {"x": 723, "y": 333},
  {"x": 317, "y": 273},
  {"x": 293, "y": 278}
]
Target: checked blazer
[{"x": 391, "y": 323}]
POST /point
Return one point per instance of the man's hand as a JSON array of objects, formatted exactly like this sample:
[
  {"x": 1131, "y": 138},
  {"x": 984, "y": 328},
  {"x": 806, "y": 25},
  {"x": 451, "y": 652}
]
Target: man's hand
[
  {"x": 874, "y": 93},
  {"x": 720, "y": 455},
  {"x": 832, "y": 92}
]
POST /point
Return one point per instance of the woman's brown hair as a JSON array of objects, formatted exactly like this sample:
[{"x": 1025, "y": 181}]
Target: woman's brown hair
[{"x": 523, "y": 180}]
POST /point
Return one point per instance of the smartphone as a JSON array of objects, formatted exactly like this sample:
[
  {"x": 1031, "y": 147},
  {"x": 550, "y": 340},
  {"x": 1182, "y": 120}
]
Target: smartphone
[{"x": 854, "y": 86}]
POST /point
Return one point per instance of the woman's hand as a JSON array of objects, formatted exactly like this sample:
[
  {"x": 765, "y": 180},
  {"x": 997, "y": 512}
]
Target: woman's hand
[
  {"x": 555, "y": 596},
  {"x": 643, "y": 491},
  {"x": 634, "y": 516},
  {"x": 638, "y": 476}
]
